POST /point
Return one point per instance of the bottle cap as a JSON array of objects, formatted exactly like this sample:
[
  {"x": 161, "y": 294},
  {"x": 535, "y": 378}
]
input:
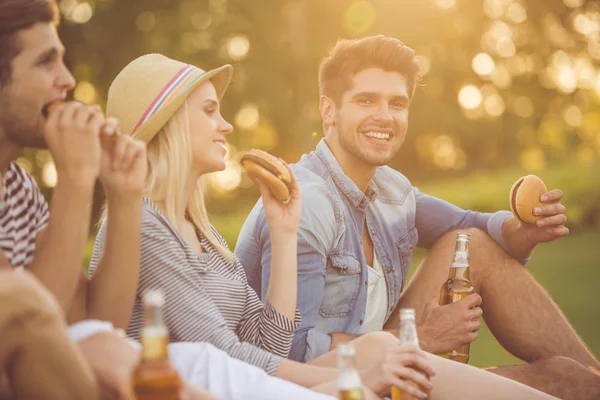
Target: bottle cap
[
  {"x": 154, "y": 297},
  {"x": 346, "y": 350},
  {"x": 462, "y": 236}
]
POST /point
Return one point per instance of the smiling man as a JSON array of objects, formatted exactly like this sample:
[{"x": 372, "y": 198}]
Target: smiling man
[{"x": 362, "y": 219}]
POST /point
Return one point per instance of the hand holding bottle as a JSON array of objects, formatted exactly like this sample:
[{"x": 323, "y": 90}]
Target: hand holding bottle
[
  {"x": 447, "y": 327},
  {"x": 405, "y": 367}
]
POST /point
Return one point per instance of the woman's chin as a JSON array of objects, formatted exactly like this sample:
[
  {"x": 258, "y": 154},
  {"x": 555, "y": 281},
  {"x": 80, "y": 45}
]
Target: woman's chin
[
  {"x": 222, "y": 166},
  {"x": 217, "y": 167}
]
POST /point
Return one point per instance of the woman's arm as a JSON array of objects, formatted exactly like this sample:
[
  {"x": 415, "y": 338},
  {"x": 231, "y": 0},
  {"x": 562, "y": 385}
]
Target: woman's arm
[
  {"x": 283, "y": 220},
  {"x": 272, "y": 327},
  {"x": 399, "y": 366},
  {"x": 282, "y": 291}
]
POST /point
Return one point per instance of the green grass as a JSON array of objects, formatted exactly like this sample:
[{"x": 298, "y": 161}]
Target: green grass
[{"x": 569, "y": 269}]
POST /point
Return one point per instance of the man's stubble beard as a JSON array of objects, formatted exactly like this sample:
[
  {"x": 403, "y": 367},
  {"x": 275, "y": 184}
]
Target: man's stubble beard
[
  {"x": 349, "y": 142},
  {"x": 17, "y": 125}
]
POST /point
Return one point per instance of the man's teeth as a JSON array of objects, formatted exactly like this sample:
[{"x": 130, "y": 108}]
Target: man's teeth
[{"x": 378, "y": 135}]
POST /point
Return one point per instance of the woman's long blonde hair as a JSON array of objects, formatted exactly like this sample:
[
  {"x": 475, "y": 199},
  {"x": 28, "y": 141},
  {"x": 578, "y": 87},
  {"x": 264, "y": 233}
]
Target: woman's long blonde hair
[{"x": 169, "y": 164}]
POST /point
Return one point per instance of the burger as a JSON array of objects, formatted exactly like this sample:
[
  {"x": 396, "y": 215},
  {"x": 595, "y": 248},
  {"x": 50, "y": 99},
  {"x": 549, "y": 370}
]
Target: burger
[
  {"x": 50, "y": 107},
  {"x": 525, "y": 196},
  {"x": 270, "y": 170}
]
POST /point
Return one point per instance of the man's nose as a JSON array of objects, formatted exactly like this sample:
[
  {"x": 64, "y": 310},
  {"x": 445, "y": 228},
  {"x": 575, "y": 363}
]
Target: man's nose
[
  {"x": 66, "y": 81},
  {"x": 383, "y": 113}
]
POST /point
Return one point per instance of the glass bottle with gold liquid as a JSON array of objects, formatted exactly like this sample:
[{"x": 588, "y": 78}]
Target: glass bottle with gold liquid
[
  {"x": 155, "y": 377},
  {"x": 408, "y": 335},
  {"x": 349, "y": 383},
  {"x": 457, "y": 287}
]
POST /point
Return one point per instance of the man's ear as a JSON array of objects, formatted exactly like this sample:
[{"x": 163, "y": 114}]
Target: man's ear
[{"x": 327, "y": 109}]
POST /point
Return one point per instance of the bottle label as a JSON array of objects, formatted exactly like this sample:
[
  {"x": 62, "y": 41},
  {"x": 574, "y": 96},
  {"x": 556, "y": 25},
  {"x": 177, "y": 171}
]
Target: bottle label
[
  {"x": 349, "y": 380},
  {"x": 154, "y": 347},
  {"x": 353, "y": 394},
  {"x": 399, "y": 394}
]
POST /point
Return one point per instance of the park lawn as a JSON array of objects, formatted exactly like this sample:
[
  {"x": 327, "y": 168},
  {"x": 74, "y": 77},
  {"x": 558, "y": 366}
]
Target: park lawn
[{"x": 569, "y": 269}]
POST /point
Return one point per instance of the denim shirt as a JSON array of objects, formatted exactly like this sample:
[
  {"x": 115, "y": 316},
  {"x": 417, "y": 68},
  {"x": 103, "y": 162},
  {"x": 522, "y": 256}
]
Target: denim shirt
[{"x": 332, "y": 268}]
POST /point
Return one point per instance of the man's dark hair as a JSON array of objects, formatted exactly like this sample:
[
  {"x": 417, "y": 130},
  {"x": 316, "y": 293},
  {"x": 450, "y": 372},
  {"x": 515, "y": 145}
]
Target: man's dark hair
[
  {"x": 349, "y": 57},
  {"x": 17, "y": 15}
]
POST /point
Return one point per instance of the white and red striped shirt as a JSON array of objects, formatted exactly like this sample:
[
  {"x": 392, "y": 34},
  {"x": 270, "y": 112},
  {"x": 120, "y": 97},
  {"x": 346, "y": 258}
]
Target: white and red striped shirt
[{"x": 23, "y": 214}]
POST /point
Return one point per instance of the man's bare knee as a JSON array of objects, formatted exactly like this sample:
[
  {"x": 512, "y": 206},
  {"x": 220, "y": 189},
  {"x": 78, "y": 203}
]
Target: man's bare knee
[
  {"x": 485, "y": 254},
  {"x": 560, "y": 363},
  {"x": 480, "y": 243},
  {"x": 477, "y": 237},
  {"x": 560, "y": 366}
]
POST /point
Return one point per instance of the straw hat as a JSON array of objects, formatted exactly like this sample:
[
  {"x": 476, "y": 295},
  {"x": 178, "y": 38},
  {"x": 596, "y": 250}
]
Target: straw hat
[{"x": 148, "y": 91}]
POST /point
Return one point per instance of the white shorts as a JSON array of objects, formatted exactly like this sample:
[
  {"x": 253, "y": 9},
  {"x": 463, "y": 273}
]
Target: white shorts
[{"x": 211, "y": 369}]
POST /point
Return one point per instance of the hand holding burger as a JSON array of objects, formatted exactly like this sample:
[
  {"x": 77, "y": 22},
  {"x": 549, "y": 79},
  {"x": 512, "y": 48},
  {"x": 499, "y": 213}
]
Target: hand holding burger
[
  {"x": 278, "y": 187},
  {"x": 539, "y": 211},
  {"x": 270, "y": 170},
  {"x": 108, "y": 131}
]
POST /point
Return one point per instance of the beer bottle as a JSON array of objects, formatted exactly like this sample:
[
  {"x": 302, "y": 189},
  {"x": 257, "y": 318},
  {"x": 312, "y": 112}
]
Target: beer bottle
[
  {"x": 457, "y": 287},
  {"x": 408, "y": 335},
  {"x": 349, "y": 383},
  {"x": 155, "y": 377}
]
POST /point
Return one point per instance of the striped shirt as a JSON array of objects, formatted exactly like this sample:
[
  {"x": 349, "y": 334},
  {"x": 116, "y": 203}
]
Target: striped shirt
[
  {"x": 23, "y": 214},
  {"x": 207, "y": 297}
]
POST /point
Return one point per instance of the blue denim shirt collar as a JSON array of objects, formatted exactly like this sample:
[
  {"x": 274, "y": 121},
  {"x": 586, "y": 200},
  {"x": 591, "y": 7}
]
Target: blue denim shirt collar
[{"x": 359, "y": 199}]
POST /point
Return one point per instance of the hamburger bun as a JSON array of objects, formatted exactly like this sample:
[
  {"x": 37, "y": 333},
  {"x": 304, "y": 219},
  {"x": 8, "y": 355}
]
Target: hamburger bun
[
  {"x": 525, "y": 196},
  {"x": 260, "y": 164},
  {"x": 50, "y": 107}
]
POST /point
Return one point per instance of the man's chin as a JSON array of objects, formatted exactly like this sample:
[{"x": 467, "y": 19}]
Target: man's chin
[
  {"x": 26, "y": 134},
  {"x": 41, "y": 144},
  {"x": 34, "y": 140},
  {"x": 379, "y": 163},
  {"x": 31, "y": 141},
  {"x": 377, "y": 160}
]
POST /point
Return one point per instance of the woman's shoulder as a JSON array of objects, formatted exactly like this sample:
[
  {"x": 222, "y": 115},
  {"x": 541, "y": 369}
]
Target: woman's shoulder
[
  {"x": 155, "y": 224},
  {"x": 218, "y": 236}
]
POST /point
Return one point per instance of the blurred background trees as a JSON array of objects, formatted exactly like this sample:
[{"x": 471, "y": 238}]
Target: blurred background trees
[
  {"x": 507, "y": 83},
  {"x": 510, "y": 87}
]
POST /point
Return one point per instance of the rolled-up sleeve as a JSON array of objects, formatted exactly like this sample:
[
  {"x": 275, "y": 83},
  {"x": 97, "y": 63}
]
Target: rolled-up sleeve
[
  {"x": 265, "y": 327},
  {"x": 317, "y": 233},
  {"x": 436, "y": 217}
]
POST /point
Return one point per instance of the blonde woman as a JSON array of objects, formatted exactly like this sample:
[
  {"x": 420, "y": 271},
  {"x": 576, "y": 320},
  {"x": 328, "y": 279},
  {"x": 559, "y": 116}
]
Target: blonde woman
[{"x": 174, "y": 108}]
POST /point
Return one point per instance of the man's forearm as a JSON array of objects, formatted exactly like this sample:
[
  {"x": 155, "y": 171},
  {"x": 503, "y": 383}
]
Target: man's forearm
[
  {"x": 305, "y": 375},
  {"x": 59, "y": 252},
  {"x": 112, "y": 290}
]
